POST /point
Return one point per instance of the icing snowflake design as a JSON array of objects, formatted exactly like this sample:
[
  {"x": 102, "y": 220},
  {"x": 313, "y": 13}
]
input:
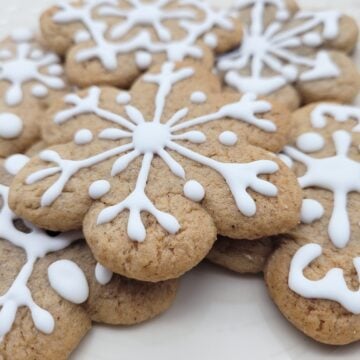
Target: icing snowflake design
[
  {"x": 26, "y": 64},
  {"x": 338, "y": 174},
  {"x": 150, "y": 138},
  {"x": 36, "y": 243},
  {"x": 274, "y": 47},
  {"x": 149, "y": 14}
]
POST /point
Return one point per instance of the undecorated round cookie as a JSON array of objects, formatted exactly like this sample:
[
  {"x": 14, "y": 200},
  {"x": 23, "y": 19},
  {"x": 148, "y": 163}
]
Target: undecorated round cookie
[
  {"x": 242, "y": 256},
  {"x": 292, "y": 56}
]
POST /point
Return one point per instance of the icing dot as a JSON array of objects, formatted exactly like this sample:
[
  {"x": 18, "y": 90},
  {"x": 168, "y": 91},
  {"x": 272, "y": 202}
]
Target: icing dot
[
  {"x": 83, "y": 136},
  {"x": 310, "y": 142},
  {"x": 98, "y": 189},
  {"x": 194, "y": 190},
  {"x": 11, "y": 126},
  {"x": 69, "y": 281},
  {"x": 290, "y": 72},
  {"x": 211, "y": 40},
  {"x": 14, "y": 163},
  {"x": 55, "y": 70},
  {"x": 102, "y": 274},
  {"x": 311, "y": 210},
  {"x": 282, "y": 15},
  {"x": 36, "y": 54},
  {"x": 22, "y": 35},
  {"x": 286, "y": 160},
  {"x": 82, "y": 36},
  {"x": 312, "y": 39},
  {"x": 228, "y": 138},
  {"x": 123, "y": 98},
  {"x": 39, "y": 91},
  {"x": 198, "y": 97},
  {"x": 143, "y": 59}
]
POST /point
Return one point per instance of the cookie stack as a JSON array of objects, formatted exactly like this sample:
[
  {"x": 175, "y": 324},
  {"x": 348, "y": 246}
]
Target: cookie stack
[{"x": 141, "y": 137}]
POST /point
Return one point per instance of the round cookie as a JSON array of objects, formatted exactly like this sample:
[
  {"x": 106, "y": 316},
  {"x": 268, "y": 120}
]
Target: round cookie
[
  {"x": 313, "y": 277},
  {"x": 241, "y": 256},
  {"x": 29, "y": 77},
  {"x": 155, "y": 174},
  {"x": 51, "y": 289},
  {"x": 108, "y": 42},
  {"x": 292, "y": 56}
]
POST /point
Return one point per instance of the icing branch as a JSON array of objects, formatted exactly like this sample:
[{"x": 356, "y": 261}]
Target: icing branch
[
  {"x": 331, "y": 287},
  {"x": 239, "y": 177},
  {"x": 338, "y": 174},
  {"x": 137, "y": 202},
  {"x": 340, "y": 113},
  {"x": 88, "y": 105},
  {"x": 243, "y": 110},
  {"x": 36, "y": 244},
  {"x": 68, "y": 168}
]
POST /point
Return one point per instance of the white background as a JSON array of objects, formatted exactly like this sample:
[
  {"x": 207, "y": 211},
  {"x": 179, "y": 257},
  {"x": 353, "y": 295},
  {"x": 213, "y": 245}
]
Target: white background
[{"x": 217, "y": 315}]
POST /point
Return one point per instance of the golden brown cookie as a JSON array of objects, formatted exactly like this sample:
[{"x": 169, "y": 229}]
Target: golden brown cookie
[
  {"x": 29, "y": 77},
  {"x": 314, "y": 276},
  {"x": 51, "y": 288},
  {"x": 293, "y": 56},
  {"x": 111, "y": 42},
  {"x": 242, "y": 256},
  {"x": 155, "y": 174}
]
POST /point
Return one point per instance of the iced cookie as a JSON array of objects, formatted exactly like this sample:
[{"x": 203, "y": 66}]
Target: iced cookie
[
  {"x": 291, "y": 55},
  {"x": 153, "y": 175},
  {"x": 51, "y": 289},
  {"x": 314, "y": 276},
  {"x": 111, "y": 42},
  {"x": 29, "y": 76},
  {"x": 242, "y": 256}
]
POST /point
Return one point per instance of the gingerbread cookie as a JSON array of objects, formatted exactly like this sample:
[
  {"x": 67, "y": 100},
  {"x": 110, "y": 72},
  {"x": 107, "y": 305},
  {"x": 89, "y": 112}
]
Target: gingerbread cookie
[
  {"x": 29, "y": 76},
  {"x": 111, "y": 42},
  {"x": 242, "y": 256},
  {"x": 153, "y": 181},
  {"x": 314, "y": 276},
  {"x": 51, "y": 289},
  {"x": 291, "y": 55}
]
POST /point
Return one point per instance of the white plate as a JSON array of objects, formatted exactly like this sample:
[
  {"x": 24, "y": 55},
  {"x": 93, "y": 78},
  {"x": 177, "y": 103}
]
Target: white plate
[{"x": 217, "y": 315}]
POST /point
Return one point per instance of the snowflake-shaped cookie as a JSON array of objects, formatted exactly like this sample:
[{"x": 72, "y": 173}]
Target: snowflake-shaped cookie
[
  {"x": 150, "y": 162},
  {"x": 27, "y": 74},
  {"x": 285, "y": 49},
  {"x": 117, "y": 40},
  {"x": 321, "y": 260},
  {"x": 40, "y": 295}
]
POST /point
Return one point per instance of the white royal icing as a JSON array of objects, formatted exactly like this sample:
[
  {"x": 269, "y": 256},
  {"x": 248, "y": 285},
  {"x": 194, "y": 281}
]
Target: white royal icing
[
  {"x": 11, "y": 126},
  {"x": 99, "y": 188},
  {"x": 311, "y": 210},
  {"x": 337, "y": 174},
  {"x": 123, "y": 98},
  {"x": 21, "y": 68},
  {"x": 22, "y": 34},
  {"x": 102, "y": 274},
  {"x": 331, "y": 287},
  {"x": 83, "y": 136},
  {"x": 69, "y": 281},
  {"x": 287, "y": 160},
  {"x": 310, "y": 142},
  {"x": 274, "y": 46},
  {"x": 340, "y": 113},
  {"x": 141, "y": 14},
  {"x": 36, "y": 244},
  {"x": 198, "y": 97},
  {"x": 14, "y": 163},
  {"x": 194, "y": 191},
  {"x": 211, "y": 40},
  {"x": 228, "y": 138},
  {"x": 150, "y": 138},
  {"x": 143, "y": 60}
]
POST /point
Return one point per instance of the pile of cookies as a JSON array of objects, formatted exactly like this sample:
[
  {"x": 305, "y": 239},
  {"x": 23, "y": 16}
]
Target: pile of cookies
[{"x": 139, "y": 138}]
